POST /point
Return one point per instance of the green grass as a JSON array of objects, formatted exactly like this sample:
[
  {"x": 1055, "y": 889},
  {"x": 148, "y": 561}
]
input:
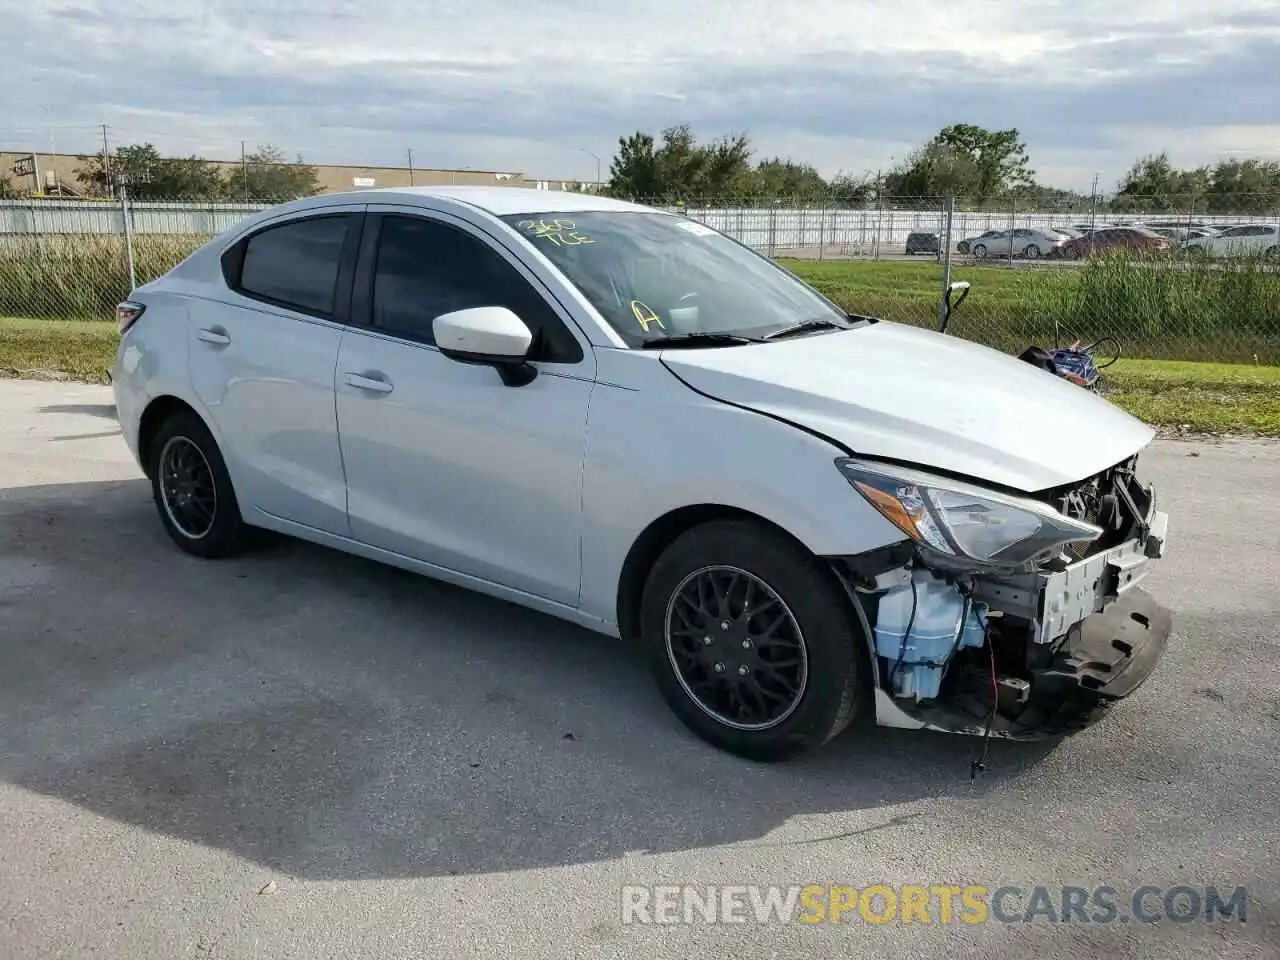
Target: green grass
[
  {"x": 57, "y": 349},
  {"x": 1218, "y": 398},
  {"x": 1160, "y": 310}
]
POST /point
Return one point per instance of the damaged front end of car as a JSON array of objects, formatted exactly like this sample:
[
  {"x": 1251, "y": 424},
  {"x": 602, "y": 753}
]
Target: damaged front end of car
[{"x": 1002, "y": 614}]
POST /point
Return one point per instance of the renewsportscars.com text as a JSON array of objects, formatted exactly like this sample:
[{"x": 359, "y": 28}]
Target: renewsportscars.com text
[{"x": 971, "y": 904}]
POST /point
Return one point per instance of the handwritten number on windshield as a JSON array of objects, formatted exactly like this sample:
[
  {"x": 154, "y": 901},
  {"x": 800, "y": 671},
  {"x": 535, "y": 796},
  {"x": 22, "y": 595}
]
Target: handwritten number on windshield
[{"x": 562, "y": 233}]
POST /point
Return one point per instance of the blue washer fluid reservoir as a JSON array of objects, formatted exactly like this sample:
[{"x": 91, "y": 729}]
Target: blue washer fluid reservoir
[{"x": 944, "y": 623}]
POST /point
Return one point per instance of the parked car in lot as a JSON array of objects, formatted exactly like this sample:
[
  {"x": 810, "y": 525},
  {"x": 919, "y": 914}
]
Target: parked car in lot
[
  {"x": 1112, "y": 240},
  {"x": 625, "y": 419},
  {"x": 1027, "y": 243},
  {"x": 1177, "y": 230},
  {"x": 1181, "y": 234},
  {"x": 1246, "y": 240},
  {"x": 963, "y": 245},
  {"x": 921, "y": 241}
]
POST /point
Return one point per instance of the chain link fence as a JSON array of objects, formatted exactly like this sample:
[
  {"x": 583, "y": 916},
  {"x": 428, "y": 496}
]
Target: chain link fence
[{"x": 1210, "y": 292}]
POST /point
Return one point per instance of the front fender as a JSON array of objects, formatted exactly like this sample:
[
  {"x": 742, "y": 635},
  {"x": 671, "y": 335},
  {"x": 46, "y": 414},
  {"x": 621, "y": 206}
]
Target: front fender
[{"x": 653, "y": 451}]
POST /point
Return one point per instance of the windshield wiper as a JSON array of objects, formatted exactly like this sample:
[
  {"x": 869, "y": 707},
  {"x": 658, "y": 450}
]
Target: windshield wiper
[
  {"x": 675, "y": 341},
  {"x": 805, "y": 326}
]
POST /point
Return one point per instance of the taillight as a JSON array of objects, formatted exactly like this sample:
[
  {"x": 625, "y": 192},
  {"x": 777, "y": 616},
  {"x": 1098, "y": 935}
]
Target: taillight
[{"x": 127, "y": 313}]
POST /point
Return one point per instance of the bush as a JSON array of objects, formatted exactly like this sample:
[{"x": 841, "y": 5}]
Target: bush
[{"x": 79, "y": 277}]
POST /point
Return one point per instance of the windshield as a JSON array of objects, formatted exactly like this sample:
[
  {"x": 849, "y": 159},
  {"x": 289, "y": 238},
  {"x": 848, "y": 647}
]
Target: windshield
[{"x": 657, "y": 275}]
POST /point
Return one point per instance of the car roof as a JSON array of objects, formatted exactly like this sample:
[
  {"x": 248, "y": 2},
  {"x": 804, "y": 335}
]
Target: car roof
[{"x": 499, "y": 201}]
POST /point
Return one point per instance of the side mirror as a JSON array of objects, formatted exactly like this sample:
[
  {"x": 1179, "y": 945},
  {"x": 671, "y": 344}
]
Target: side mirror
[
  {"x": 959, "y": 286},
  {"x": 490, "y": 336}
]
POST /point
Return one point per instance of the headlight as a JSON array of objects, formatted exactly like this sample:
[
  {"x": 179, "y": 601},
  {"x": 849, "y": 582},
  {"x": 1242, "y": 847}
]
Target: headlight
[{"x": 963, "y": 521}]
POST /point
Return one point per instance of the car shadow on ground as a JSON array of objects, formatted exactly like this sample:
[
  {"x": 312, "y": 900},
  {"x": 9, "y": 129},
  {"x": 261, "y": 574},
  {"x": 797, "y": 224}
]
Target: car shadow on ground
[
  {"x": 333, "y": 718},
  {"x": 105, "y": 410}
]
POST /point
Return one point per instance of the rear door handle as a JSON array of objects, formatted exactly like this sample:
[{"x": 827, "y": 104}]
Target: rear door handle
[
  {"x": 372, "y": 384},
  {"x": 213, "y": 335}
]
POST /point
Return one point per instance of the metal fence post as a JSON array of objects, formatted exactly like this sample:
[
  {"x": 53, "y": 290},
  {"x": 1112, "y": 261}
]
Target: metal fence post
[
  {"x": 822, "y": 230},
  {"x": 773, "y": 228},
  {"x": 1013, "y": 226},
  {"x": 879, "y": 224},
  {"x": 948, "y": 218},
  {"x": 128, "y": 235}
]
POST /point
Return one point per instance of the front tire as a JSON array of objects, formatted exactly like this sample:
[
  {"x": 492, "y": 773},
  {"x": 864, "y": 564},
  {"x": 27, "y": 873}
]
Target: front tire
[
  {"x": 192, "y": 489},
  {"x": 751, "y": 641}
]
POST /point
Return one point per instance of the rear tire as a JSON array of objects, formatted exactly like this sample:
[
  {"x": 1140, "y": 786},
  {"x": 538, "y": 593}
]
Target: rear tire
[
  {"x": 1031, "y": 252},
  {"x": 980, "y": 251},
  {"x": 192, "y": 490},
  {"x": 769, "y": 668}
]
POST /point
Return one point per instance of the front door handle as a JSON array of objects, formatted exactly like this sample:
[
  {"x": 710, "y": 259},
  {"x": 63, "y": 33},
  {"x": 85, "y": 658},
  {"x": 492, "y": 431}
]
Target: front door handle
[
  {"x": 214, "y": 335},
  {"x": 372, "y": 384}
]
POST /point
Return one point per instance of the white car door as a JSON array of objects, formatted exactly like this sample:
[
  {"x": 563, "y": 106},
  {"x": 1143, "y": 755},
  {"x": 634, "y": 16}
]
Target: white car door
[
  {"x": 262, "y": 364},
  {"x": 444, "y": 463}
]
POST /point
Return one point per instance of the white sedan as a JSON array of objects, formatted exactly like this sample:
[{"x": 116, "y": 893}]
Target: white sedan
[
  {"x": 627, "y": 420},
  {"x": 1246, "y": 240},
  {"x": 1022, "y": 242}
]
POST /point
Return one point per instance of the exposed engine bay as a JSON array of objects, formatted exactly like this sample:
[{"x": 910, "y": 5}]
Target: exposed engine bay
[{"x": 1030, "y": 651}]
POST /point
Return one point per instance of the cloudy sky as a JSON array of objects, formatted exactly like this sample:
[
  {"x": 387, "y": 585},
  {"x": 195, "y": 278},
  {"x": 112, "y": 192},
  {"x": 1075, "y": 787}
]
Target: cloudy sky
[{"x": 538, "y": 87}]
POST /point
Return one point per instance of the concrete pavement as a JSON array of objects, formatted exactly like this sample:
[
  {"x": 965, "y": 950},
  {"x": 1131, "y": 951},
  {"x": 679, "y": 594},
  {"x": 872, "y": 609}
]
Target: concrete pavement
[{"x": 423, "y": 772}]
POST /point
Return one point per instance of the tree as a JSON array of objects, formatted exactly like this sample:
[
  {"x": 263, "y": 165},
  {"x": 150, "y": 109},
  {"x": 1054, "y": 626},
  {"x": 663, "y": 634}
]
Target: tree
[
  {"x": 853, "y": 190},
  {"x": 934, "y": 170},
  {"x": 679, "y": 167},
  {"x": 966, "y": 161},
  {"x": 1154, "y": 185},
  {"x": 789, "y": 180},
  {"x": 634, "y": 171},
  {"x": 267, "y": 175},
  {"x": 1244, "y": 187},
  {"x": 7, "y": 189},
  {"x": 999, "y": 157},
  {"x": 150, "y": 176}
]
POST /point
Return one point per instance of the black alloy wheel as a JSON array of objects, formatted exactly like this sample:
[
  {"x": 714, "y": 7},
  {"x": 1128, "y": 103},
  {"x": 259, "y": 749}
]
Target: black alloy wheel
[{"x": 752, "y": 641}]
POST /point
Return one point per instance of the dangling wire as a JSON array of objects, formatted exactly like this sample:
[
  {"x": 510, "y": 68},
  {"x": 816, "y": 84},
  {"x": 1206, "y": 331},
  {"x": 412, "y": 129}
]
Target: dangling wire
[
  {"x": 911, "y": 622},
  {"x": 980, "y": 765}
]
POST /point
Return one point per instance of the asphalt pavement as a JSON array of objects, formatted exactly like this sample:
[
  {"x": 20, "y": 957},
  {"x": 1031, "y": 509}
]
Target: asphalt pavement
[{"x": 301, "y": 754}]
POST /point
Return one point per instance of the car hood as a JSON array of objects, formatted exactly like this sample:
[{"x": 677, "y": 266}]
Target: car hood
[{"x": 892, "y": 391}]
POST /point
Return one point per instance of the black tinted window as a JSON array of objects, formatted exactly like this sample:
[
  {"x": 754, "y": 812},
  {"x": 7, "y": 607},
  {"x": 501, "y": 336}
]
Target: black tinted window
[
  {"x": 296, "y": 264},
  {"x": 426, "y": 268}
]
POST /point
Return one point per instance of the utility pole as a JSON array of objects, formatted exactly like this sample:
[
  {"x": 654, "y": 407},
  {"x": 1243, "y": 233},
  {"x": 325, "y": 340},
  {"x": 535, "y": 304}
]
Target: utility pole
[
  {"x": 244, "y": 171},
  {"x": 411, "y": 167},
  {"x": 106, "y": 158},
  {"x": 597, "y": 156},
  {"x": 1093, "y": 210}
]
